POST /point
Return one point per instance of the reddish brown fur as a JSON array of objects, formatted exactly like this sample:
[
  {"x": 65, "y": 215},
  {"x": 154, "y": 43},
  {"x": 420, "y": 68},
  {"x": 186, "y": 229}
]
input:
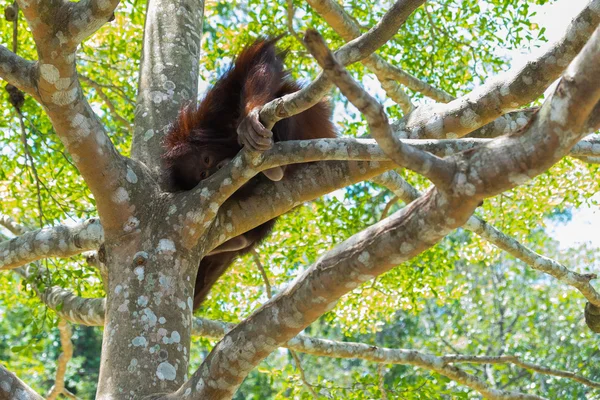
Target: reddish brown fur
[{"x": 206, "y": 134}]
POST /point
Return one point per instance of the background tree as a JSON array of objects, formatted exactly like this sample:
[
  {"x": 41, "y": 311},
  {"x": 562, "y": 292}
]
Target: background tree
[{"x": 421, "y": 298}]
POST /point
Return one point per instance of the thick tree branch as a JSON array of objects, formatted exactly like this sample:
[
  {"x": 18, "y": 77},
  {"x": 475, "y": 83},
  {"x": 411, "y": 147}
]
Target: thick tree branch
[
  {"x": 407, "y": 233},
  {"x": 18, "y": 72},
  {"x": 507, "y": 123},
  {"x": 589, "y": 160},
  {"x": 327, "y": 174},
  {"x": 593, "y": 123},
  {"x": 72, "y": 308},
  {"x": 300, "y": 184},
  {"x": 438, "y": 170},
  {"x": 350, "y": 149},
  {"x": 58, "y": 241},
  {"x": 358, "y": 259},
  {"x": 556, "y": 128},
  {"x": 89, "y": 15},
  {"x": 172, "y": 32},
  {"x": 12, "y": 387},
  {"x": 342, "y": 23},
  {"x": 58, "y": 27},
  {"x": 509, "y": 91},
  {"x": 64, "y": 25}
]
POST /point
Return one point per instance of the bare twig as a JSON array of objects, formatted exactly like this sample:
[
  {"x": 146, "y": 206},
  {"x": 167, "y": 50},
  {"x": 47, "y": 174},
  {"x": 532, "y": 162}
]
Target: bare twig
[
  {"x": 119, "y": 91},
  {"x": 389, "y": 205},
  {"x": 106, "y": 100},
  {"x": 33, "y": 168},
  {"x": 290, "y": 21},
  {"x": 302, "y": 375},
  {"x": 263, "y": 273},
  {"x": 381, "y": 376},
  {"x": 297, "y": 362}
]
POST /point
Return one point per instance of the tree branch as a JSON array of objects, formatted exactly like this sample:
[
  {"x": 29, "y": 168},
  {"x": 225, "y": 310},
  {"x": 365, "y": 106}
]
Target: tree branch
[
  {"x": 89, "y": 16},
  {"x": 508, "y": 359},
  {"x": 351, "y": 350},
  {"x": 12, "y": 387},
  {"x": 516, "y": 88},
  {"x": 438, "y": 170},
  {"x": 172, "y": 31},
  {"x": 349, "y": 53},
  {"x": 342, "y": 23},
  {"x": 300, "y": 184},
  {"x": 72, "y": 308},
  {"x": 536, "y": 261},
  {"x": 561, "y": 122},
  {"x": 507, "y": 123},
  {"x": 398, "y": 95},
  {"x": 13, "y": 226},
  {"x": 18, "y": 72},
  {"x": 70, "y": 23},
  {"x": 63, "y": 360},
  {"x": 105, "y": 171},
  {"x": 408, "y": 193},
  {"x": 57, "y": 241}
]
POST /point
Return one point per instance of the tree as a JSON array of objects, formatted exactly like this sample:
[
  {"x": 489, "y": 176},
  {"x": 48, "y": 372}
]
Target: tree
[{"x": 462, "y": 147}]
